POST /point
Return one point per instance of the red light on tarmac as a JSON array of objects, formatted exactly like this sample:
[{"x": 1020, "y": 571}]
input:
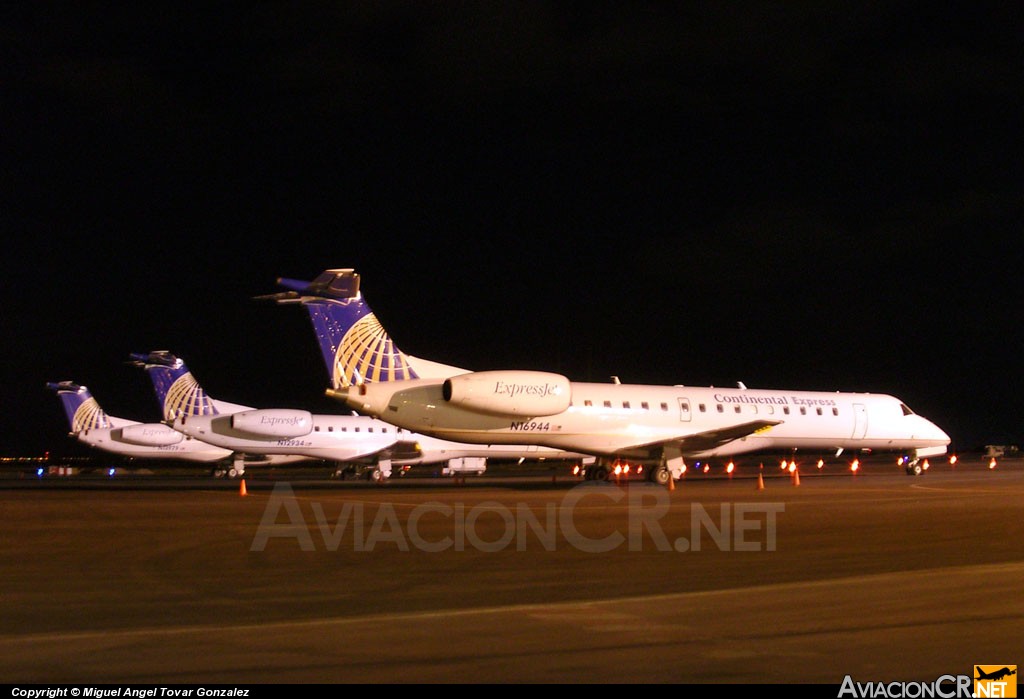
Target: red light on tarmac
[
  {"x": 730, "y": 467},
  {"x": 952, "y": 460},
  {"x": 707, "y": 467},
  {"x": 784, "y": 465},
  {"x": 792, "y": 467},
  {"x": 992, "y": 464},
  {"x": 821, "y": 464},
  {"x": 855, "y": 466}
]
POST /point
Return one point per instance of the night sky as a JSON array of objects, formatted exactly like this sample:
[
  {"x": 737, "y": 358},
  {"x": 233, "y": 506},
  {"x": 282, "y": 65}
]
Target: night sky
[{"x": 800, "y": 195}]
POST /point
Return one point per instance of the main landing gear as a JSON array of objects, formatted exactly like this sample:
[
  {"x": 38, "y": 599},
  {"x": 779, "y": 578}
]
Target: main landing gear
[{"x": 602, "y": 470}]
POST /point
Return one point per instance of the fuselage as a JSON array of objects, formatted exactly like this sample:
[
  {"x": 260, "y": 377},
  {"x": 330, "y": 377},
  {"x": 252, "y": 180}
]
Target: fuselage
[
  {"x": 628, "y": 420},
  {"x": 352, "y": 438},
  {"x": 330, "y": 437},
  {"x": 435, "y": 449},
  {"x": 112, "y": 440}
]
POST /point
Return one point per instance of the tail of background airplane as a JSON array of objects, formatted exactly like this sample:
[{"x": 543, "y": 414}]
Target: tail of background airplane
[
  {"x": 180, "y": 395},
  {"x": 92, "y": 426},
  {"x": 177, "y": 390},
  {"x": 82, "y": 410},
  {"x": 356, "y": 348}
]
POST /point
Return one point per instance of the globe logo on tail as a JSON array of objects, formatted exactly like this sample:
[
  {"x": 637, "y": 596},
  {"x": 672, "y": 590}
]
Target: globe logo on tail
[
  {"x": 367, "y": 354},
  {"x": 89, "y": 416},
  {"x": 186, "y": 397}
]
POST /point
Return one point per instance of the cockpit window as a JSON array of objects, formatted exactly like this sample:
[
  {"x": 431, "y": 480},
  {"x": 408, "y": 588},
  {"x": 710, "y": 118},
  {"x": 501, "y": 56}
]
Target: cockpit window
[{"x": 906, "y": 410}]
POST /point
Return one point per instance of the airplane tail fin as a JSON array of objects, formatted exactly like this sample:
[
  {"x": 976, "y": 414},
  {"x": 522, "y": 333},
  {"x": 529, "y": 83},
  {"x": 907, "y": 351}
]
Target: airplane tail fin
[
  {"x": 355, "y": 346},
  {"x": 82, "y": 410},
  {"x": 177, "y": 391}
]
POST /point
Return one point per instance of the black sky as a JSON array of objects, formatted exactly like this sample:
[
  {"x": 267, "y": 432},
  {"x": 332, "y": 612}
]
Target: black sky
[{"x": 796, "y": 195}]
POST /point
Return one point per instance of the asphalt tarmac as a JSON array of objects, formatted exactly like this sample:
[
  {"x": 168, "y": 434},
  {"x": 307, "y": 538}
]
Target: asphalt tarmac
[{"x": 876, "y": 575}]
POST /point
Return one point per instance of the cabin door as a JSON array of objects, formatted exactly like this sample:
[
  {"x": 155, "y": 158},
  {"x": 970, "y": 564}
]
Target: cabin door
[
  {"x": 860, "y": 420},
  {"x": 684, "y": 410}
]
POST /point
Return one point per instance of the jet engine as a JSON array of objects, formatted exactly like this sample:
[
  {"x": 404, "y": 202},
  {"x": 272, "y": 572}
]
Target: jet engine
[
  {"x": 150, "y": 435},
  {"x": 282, "y": 423},
  {"x": 512, "y": 393}
]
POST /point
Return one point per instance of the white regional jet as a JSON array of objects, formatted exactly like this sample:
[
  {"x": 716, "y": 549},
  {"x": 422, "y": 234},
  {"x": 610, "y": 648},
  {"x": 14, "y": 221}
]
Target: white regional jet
[
  {"x": 280, "y": 435},
  {"x": 659, "y": 426},
  {"x": 91, "y": 425}
]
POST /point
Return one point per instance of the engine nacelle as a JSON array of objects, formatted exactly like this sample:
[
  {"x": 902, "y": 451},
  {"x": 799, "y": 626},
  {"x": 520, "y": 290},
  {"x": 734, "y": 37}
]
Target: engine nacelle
[
  {"x": 150, "y": 435},
  {"x": 513, "y": 393},
  {"x": 279, "y": 423}
]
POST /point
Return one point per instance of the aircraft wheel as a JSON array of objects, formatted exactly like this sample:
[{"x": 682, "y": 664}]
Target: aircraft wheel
[
  {"x": 914, "y": 469},
  {"x": 659, "y": 475},
  {"x": 233, "y": 473}
]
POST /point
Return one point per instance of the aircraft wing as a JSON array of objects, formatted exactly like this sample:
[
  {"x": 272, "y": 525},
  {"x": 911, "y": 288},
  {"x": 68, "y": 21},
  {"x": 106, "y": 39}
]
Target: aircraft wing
[{"x": 699, "y": 442}]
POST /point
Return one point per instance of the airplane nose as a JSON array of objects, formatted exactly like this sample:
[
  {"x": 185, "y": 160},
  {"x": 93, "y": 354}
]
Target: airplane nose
[{"x": 939, "y": 433}]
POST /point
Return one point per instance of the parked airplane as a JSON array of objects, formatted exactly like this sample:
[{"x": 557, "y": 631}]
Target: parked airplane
[
  {"x": 92, "y": 426},
  {"x": 659, "y": 426},
  {"x": 282, "y": 435}
]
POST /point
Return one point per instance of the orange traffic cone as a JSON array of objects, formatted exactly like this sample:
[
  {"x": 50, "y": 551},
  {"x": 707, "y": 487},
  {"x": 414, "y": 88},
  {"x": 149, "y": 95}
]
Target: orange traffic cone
[
  {"x": 796, "y": 477},
  {"x": 241, "y": 489},
  {"x": 671, "y": 481},
  {"x": 760, "y": 481}
]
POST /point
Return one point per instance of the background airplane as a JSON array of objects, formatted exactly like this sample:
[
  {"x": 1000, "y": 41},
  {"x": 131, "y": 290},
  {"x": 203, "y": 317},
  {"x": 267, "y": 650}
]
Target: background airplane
[
  {"x": 91, "y": 425},
  {"x": 658, "y": 426},
  {"x": 357, "y": 441},
  {"x": 279, "y": 435}
]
